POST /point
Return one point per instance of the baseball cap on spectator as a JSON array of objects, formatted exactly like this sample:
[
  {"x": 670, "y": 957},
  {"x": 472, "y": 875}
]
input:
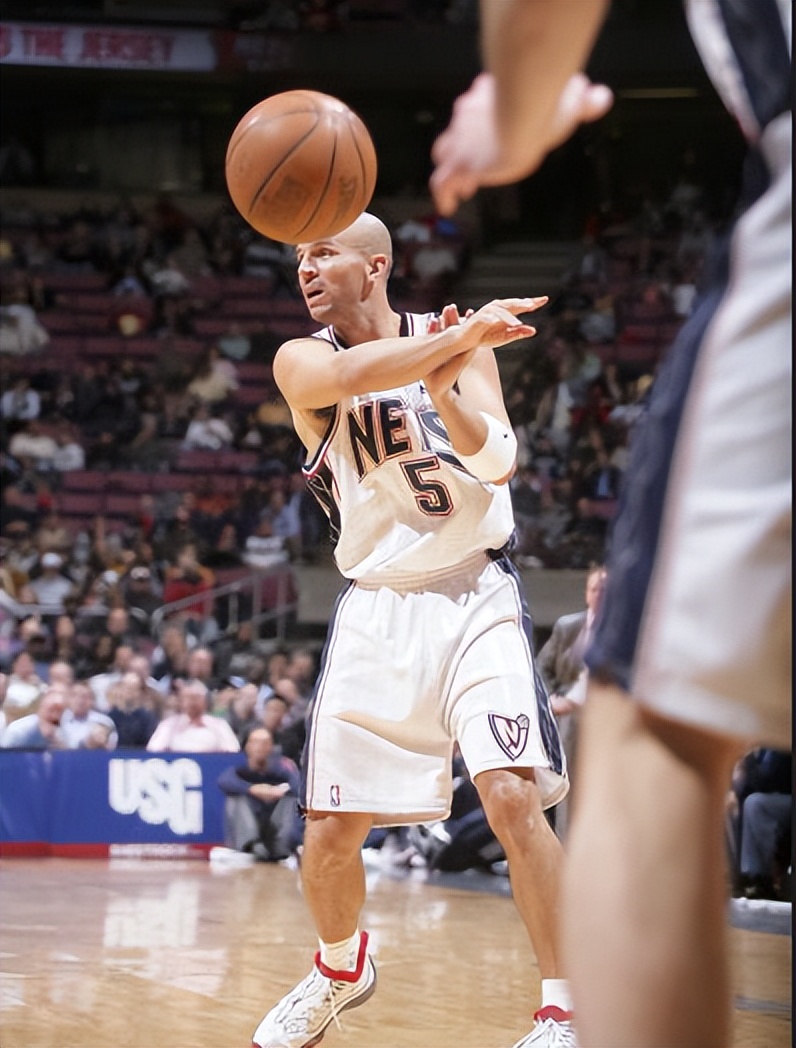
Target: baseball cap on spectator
[{"x": 51, "y": 560}]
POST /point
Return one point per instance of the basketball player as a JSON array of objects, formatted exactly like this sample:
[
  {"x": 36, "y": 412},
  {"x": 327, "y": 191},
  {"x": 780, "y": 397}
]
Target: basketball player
[
  {"x": 409, "y": 450},
  {"x": 696, "y": 621}
]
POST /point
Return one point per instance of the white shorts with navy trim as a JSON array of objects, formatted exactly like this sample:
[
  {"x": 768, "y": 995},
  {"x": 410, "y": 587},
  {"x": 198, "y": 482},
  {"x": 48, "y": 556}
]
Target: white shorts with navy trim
[{"x": 409, "y": 672}]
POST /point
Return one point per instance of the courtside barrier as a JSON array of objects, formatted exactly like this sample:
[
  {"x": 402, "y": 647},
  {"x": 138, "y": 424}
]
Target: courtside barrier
[{"x": 111, "y": 803}]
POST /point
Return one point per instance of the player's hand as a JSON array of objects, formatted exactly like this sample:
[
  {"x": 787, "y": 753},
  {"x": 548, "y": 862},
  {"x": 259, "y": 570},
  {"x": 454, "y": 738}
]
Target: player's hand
[
  {"x": 498, "y": 322},
  {"x": 469, "y": 153},
  {"x": 446, "y": 375}
]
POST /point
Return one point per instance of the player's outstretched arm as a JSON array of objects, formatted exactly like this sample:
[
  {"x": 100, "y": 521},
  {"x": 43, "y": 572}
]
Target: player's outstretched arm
[
  {"x": 467, "y": 393},
  {"x": 531, "y": 99},
  {"x": 311, "y": 375}
]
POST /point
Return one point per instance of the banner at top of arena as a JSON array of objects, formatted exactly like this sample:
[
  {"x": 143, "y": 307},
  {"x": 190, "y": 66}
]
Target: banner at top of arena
[{"x": 108, "y": 47}]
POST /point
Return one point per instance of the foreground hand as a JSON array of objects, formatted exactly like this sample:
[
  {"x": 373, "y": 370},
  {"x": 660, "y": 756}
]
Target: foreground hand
[{"x": 469, "y": 154}]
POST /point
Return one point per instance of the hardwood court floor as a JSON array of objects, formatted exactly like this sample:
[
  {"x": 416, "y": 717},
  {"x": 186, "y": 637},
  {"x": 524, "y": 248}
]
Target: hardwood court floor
[{"x": 154, "y": 954}]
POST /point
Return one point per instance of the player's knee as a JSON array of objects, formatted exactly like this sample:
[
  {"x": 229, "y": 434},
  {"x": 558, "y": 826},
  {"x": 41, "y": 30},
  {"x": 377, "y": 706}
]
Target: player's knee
[
  {"x": 332, "y": 841},
  {"x": 511, "y": 804}
]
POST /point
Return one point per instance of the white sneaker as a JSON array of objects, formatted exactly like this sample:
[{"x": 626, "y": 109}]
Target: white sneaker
[
  {"x": 552, "y": 1029},
  {"x": 300, "y": 1019}
]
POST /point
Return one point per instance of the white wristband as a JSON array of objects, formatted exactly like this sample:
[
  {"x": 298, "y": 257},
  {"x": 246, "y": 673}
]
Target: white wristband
[{"x": 496, "y": 458}]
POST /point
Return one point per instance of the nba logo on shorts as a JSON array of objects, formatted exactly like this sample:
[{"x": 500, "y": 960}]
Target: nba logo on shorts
[
  {"x": 510, "y": 735},
  {"x": 334, "y": 796}
]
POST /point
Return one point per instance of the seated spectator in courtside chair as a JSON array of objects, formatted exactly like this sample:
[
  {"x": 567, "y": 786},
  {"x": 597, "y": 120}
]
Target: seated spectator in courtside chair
[
  {"x": 40, "y": 730},
  {"x": 759, "y": 824},
  {"x": 464, "y": 840},
  {"x": 193, "y": 729},
  {"x": 260, "y": 812}
]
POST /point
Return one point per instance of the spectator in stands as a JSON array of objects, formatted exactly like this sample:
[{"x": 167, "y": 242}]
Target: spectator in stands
[
  {"x": 214, "y": 379},
  {"x": 544, "y": 534},
  {"x": 139, "y": 592},
  {"x": 295, "y": 687},
  {"x": 208, "y": 429},
  {"x": 193, "y": 730},
  {"x": 170, "y": 656},
  {"x": 132, "y": 312},
  {"x": 141, "y": 665},
  {"x": 190, "y": 256},
  {"x": 32, "y": 447},
  {"x": 111, "y": 663},
  {"x": 174, "y": 534},
  {"x": 82, "y": 726},
  {"x": 69, "y": 453},
  {"x": 40, "y": 730},
  {"x": 60, "y": 674},
  {"x": 21, "y": 332},
  {"x": 188, "y": 578},
  {"x": 20, "y": 403},
  {"x": 235, "y": 344},
  {"x": 241, "y": 710},
  {"x": 131, "y": 713},
  {"x": 285, "y": 521},
  {"x": 77, "y": 250},
  {"x": 263, "y": 548},
  {"x": 52, "y": 587},
  {"x": 24, "y": 688},
  {"x": 199, "y": 665},
  {"x": 22, "y": 557},
  {"x": 598, "y": 492},
  {"x": 65, "y": 640},
  {"x": 52, "y": 535},
  {"x": 313, "y": 526},
  {"x": 87, "y": 388},
  {"x": 261, "y": 810},
  {"x": 174, "y": 318},
  {"x": 273, "y": 714}
]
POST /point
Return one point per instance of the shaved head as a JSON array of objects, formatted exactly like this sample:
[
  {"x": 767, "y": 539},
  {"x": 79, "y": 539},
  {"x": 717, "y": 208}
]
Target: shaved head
[{"x": 367, "y": 234}]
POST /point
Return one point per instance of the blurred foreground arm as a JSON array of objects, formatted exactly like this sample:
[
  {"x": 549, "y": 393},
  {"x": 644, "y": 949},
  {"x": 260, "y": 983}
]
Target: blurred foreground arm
[{"x": 531, "y": 99}]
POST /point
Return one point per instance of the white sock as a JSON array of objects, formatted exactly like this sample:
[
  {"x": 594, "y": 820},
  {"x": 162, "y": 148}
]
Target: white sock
[
  {"x": 555, "y": 992},
  {"x": 341, "y": 956}
]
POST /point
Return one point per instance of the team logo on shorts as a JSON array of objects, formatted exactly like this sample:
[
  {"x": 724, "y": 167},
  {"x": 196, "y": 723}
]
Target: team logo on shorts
[
  {"x": 510, "y": 735},
  {"x": 334, "y": 796}
]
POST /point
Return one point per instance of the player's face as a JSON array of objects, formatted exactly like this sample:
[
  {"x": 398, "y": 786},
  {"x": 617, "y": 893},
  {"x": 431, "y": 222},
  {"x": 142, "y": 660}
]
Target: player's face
[{"x": 332, "y": 276}]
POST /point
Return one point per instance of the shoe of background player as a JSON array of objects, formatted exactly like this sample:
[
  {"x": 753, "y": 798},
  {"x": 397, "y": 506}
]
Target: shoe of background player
[
  {"x": 301, "y": 1018},
  {"x": 553, "y": 1029}
]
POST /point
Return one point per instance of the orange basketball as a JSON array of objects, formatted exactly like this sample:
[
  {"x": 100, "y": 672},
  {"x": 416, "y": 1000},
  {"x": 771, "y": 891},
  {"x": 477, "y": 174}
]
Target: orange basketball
[{"x": 300, "y": 166}]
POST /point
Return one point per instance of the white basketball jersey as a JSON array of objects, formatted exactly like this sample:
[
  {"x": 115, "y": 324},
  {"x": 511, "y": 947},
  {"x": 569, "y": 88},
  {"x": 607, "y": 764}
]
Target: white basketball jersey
[{"x": 398, "y": 500}]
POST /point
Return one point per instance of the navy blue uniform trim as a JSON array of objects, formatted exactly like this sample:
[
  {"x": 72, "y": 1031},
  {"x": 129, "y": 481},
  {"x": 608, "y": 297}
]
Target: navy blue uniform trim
[
  {"x": 757, "y": 37},
  {"x": 548, "y": 728},
  {"x": 636, "y": 531}
]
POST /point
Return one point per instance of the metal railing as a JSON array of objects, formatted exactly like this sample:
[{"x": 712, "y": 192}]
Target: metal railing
[
  {"x": 272, "y": 593},
  {"x": 276, "y": 606}
]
